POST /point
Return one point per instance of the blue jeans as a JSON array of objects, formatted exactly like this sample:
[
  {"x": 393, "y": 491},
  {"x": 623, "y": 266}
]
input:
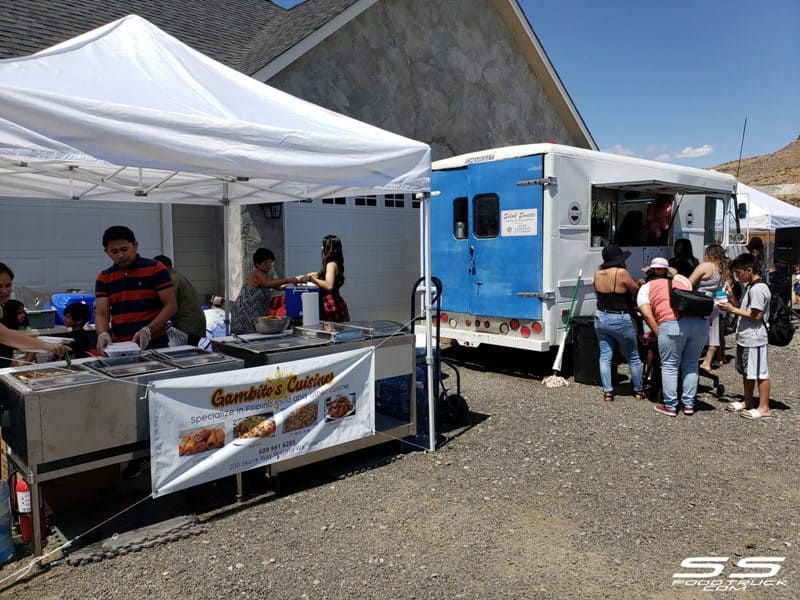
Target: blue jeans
[
  {"x": 679, "y": 346},
  {"x": 613, "y": 330}
]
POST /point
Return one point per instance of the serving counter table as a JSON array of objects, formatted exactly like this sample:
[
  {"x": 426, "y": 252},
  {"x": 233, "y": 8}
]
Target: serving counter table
[{"x": 59, "y": 420}]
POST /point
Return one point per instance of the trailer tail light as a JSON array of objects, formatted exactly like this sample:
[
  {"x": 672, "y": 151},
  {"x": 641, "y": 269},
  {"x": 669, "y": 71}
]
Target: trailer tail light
[
  {"x": 537, "y": 327},
  {"x": 468, "y": 322},
  {"x": 486, "y": 324},
  {"x": 435, "y": 320},
  {"x": 525, "y": 331},
  {"x": 514, "y": 324},
  {"x": 453, "y": 323},
  {"x": 503, "y": 328},
  {"x": 444, "y": 317}
]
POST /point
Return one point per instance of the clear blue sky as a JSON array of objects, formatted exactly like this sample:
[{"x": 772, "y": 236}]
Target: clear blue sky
[{"x": 674, "y": 80}]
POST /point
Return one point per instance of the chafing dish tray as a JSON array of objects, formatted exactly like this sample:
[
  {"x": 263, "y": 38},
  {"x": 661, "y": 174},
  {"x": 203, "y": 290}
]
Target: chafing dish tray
[
  {"x": 52, "y": 378},
  {"x": 332, "y": 332},
  {"x": 128, "y": 366},
  {"x": 285, "y": 343},
  {"x": 186, "y": 358},
  {"x": 260, "y": 345},
  {"x": 377, "y": 328}
]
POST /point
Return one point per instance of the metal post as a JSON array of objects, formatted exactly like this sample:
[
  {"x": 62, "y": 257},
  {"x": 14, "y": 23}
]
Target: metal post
[
  {"x": 426, "y": 208},
  {"x": 239, "y": 488},
  {"x": 226, "y": 221},
  {"x": 35, "y": 514}
]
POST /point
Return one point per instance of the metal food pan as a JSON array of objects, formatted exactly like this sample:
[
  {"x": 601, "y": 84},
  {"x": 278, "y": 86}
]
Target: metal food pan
[{"x": 332, "y": 332}]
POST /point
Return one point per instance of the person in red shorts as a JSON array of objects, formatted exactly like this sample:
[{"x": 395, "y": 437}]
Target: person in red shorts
[{"x": 135, "y": 296}]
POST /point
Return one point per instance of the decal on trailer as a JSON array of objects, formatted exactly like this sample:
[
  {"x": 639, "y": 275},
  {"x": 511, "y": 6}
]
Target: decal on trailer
[{"x": 518, "y": 222}]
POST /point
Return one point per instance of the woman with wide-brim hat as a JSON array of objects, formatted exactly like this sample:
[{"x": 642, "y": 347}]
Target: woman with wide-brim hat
[{"x": 613, "y": 323}]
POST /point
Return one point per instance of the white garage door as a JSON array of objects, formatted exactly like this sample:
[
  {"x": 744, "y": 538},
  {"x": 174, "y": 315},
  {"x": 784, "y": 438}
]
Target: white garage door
[
  {"x": 380, "y": 236},
  {"x": 52, "y": 246},
  {"x": 197, "y": 240}
]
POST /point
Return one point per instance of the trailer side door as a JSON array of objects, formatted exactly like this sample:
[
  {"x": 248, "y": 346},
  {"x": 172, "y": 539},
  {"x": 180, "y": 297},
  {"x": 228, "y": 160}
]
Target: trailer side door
[
  {"x": 450, "y": 223},
  {"x": 505, "y": 237}
]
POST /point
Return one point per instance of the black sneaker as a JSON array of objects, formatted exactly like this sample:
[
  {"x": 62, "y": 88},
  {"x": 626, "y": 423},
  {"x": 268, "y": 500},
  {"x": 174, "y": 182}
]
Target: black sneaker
[{"x": 134, "y": 469}]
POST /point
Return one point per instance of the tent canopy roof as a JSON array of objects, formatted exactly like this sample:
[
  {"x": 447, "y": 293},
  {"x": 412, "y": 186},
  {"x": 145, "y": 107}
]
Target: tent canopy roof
[
  {"x": 766, "y": 212},
  {"x": 128, "y": 110}
]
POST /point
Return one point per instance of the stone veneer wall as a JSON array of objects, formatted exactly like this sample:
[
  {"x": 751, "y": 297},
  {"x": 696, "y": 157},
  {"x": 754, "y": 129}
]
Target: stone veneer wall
[{"x": 446, "y": 72}]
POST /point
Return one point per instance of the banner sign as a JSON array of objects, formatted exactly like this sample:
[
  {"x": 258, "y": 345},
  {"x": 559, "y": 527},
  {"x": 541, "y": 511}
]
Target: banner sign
[{"x": 206, "y": 427}]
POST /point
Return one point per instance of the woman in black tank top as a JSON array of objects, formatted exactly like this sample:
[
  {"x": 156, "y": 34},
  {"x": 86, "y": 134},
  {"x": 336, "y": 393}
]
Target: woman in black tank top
[
  {"x": 616, "y": 291},
  {"x": 6, "y": 286}
]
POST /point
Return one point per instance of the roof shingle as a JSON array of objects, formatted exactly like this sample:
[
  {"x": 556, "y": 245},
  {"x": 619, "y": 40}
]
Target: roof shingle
[{"x": 223, "y": 31}]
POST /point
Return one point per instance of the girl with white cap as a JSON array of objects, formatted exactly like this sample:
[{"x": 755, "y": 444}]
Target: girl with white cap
[{"x": 680, "y": 337}]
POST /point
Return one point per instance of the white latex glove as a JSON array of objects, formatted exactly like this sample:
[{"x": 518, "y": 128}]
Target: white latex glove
[
  {"x": 142, "y": 337},
  {"x": 103, "y": 340},
  {"x": 58, "y": 349}
]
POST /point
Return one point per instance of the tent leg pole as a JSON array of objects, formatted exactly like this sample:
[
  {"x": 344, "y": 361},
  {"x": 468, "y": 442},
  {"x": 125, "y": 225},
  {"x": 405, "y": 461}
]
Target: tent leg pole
[
  {"x": 226, "y": 222},
  {"x": 432, "y": 385}
]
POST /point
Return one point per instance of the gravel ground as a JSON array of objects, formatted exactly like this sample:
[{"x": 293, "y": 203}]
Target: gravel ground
[{"x": 549, "y": 494}]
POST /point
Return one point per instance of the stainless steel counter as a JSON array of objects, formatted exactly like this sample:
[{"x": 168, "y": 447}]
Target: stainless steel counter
[
  {"x": 59, "y": 420},
  {"x": 394, "y": 355},
  {"x": 394, "y": 361}
]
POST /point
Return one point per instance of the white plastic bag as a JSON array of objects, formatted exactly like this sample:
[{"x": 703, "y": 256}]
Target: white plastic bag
[
  {"x": 215, "y": 322},
  {"x": 177, "y": 337}
]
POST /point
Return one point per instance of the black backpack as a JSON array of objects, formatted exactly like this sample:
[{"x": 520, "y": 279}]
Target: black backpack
[
  {"x": 688, "y": 302},
  {"x": 780, "y": 330}
]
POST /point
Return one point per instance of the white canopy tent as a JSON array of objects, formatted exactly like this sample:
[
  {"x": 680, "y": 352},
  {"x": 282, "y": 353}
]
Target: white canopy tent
[
  {"x": 765, "y": 212},
  {"x": 127, "y": 112},
  {"x": 128, "y": 108}
]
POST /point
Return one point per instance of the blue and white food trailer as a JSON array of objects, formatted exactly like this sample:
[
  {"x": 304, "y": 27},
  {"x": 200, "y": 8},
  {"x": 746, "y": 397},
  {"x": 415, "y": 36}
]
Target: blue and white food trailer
[{"x": 511, "y": 228}]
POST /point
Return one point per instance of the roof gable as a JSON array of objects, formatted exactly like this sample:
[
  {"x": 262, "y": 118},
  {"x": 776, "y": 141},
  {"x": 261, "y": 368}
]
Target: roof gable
[
  {"x": 287, "y": 29},
  {"x": 256, "y": 37},
  {"x": 299, "y": 30}
]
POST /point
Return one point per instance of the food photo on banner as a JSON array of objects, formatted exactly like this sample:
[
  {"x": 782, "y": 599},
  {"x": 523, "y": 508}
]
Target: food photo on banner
[{"x": 210, "y": 426}]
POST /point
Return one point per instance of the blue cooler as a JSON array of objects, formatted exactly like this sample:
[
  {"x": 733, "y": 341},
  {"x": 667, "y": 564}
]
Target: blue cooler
[
  {"x": 294, "y": 299},
  {"x": 61, "y": 301},
  {"x": 394, "y": 397}
]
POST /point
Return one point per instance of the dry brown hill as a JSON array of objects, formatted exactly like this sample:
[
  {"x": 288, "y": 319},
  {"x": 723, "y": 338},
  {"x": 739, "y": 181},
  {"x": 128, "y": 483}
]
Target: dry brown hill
[{"x": 779, "y": 168}]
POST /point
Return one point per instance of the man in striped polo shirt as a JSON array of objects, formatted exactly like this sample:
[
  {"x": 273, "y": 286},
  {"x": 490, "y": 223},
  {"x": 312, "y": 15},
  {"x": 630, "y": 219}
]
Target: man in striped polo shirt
[{"x": 135, "y": 297}]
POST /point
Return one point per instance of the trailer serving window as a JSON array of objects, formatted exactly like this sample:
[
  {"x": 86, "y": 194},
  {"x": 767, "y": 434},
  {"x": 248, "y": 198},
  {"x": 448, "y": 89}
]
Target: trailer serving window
[
  {"x": 630, "y": 217},
  {"x": 602, "y": 201},
  {"x": 720, "y": 211},
  {"x": 714, "y": 221},
  {"x": 486, "y": 215}
]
